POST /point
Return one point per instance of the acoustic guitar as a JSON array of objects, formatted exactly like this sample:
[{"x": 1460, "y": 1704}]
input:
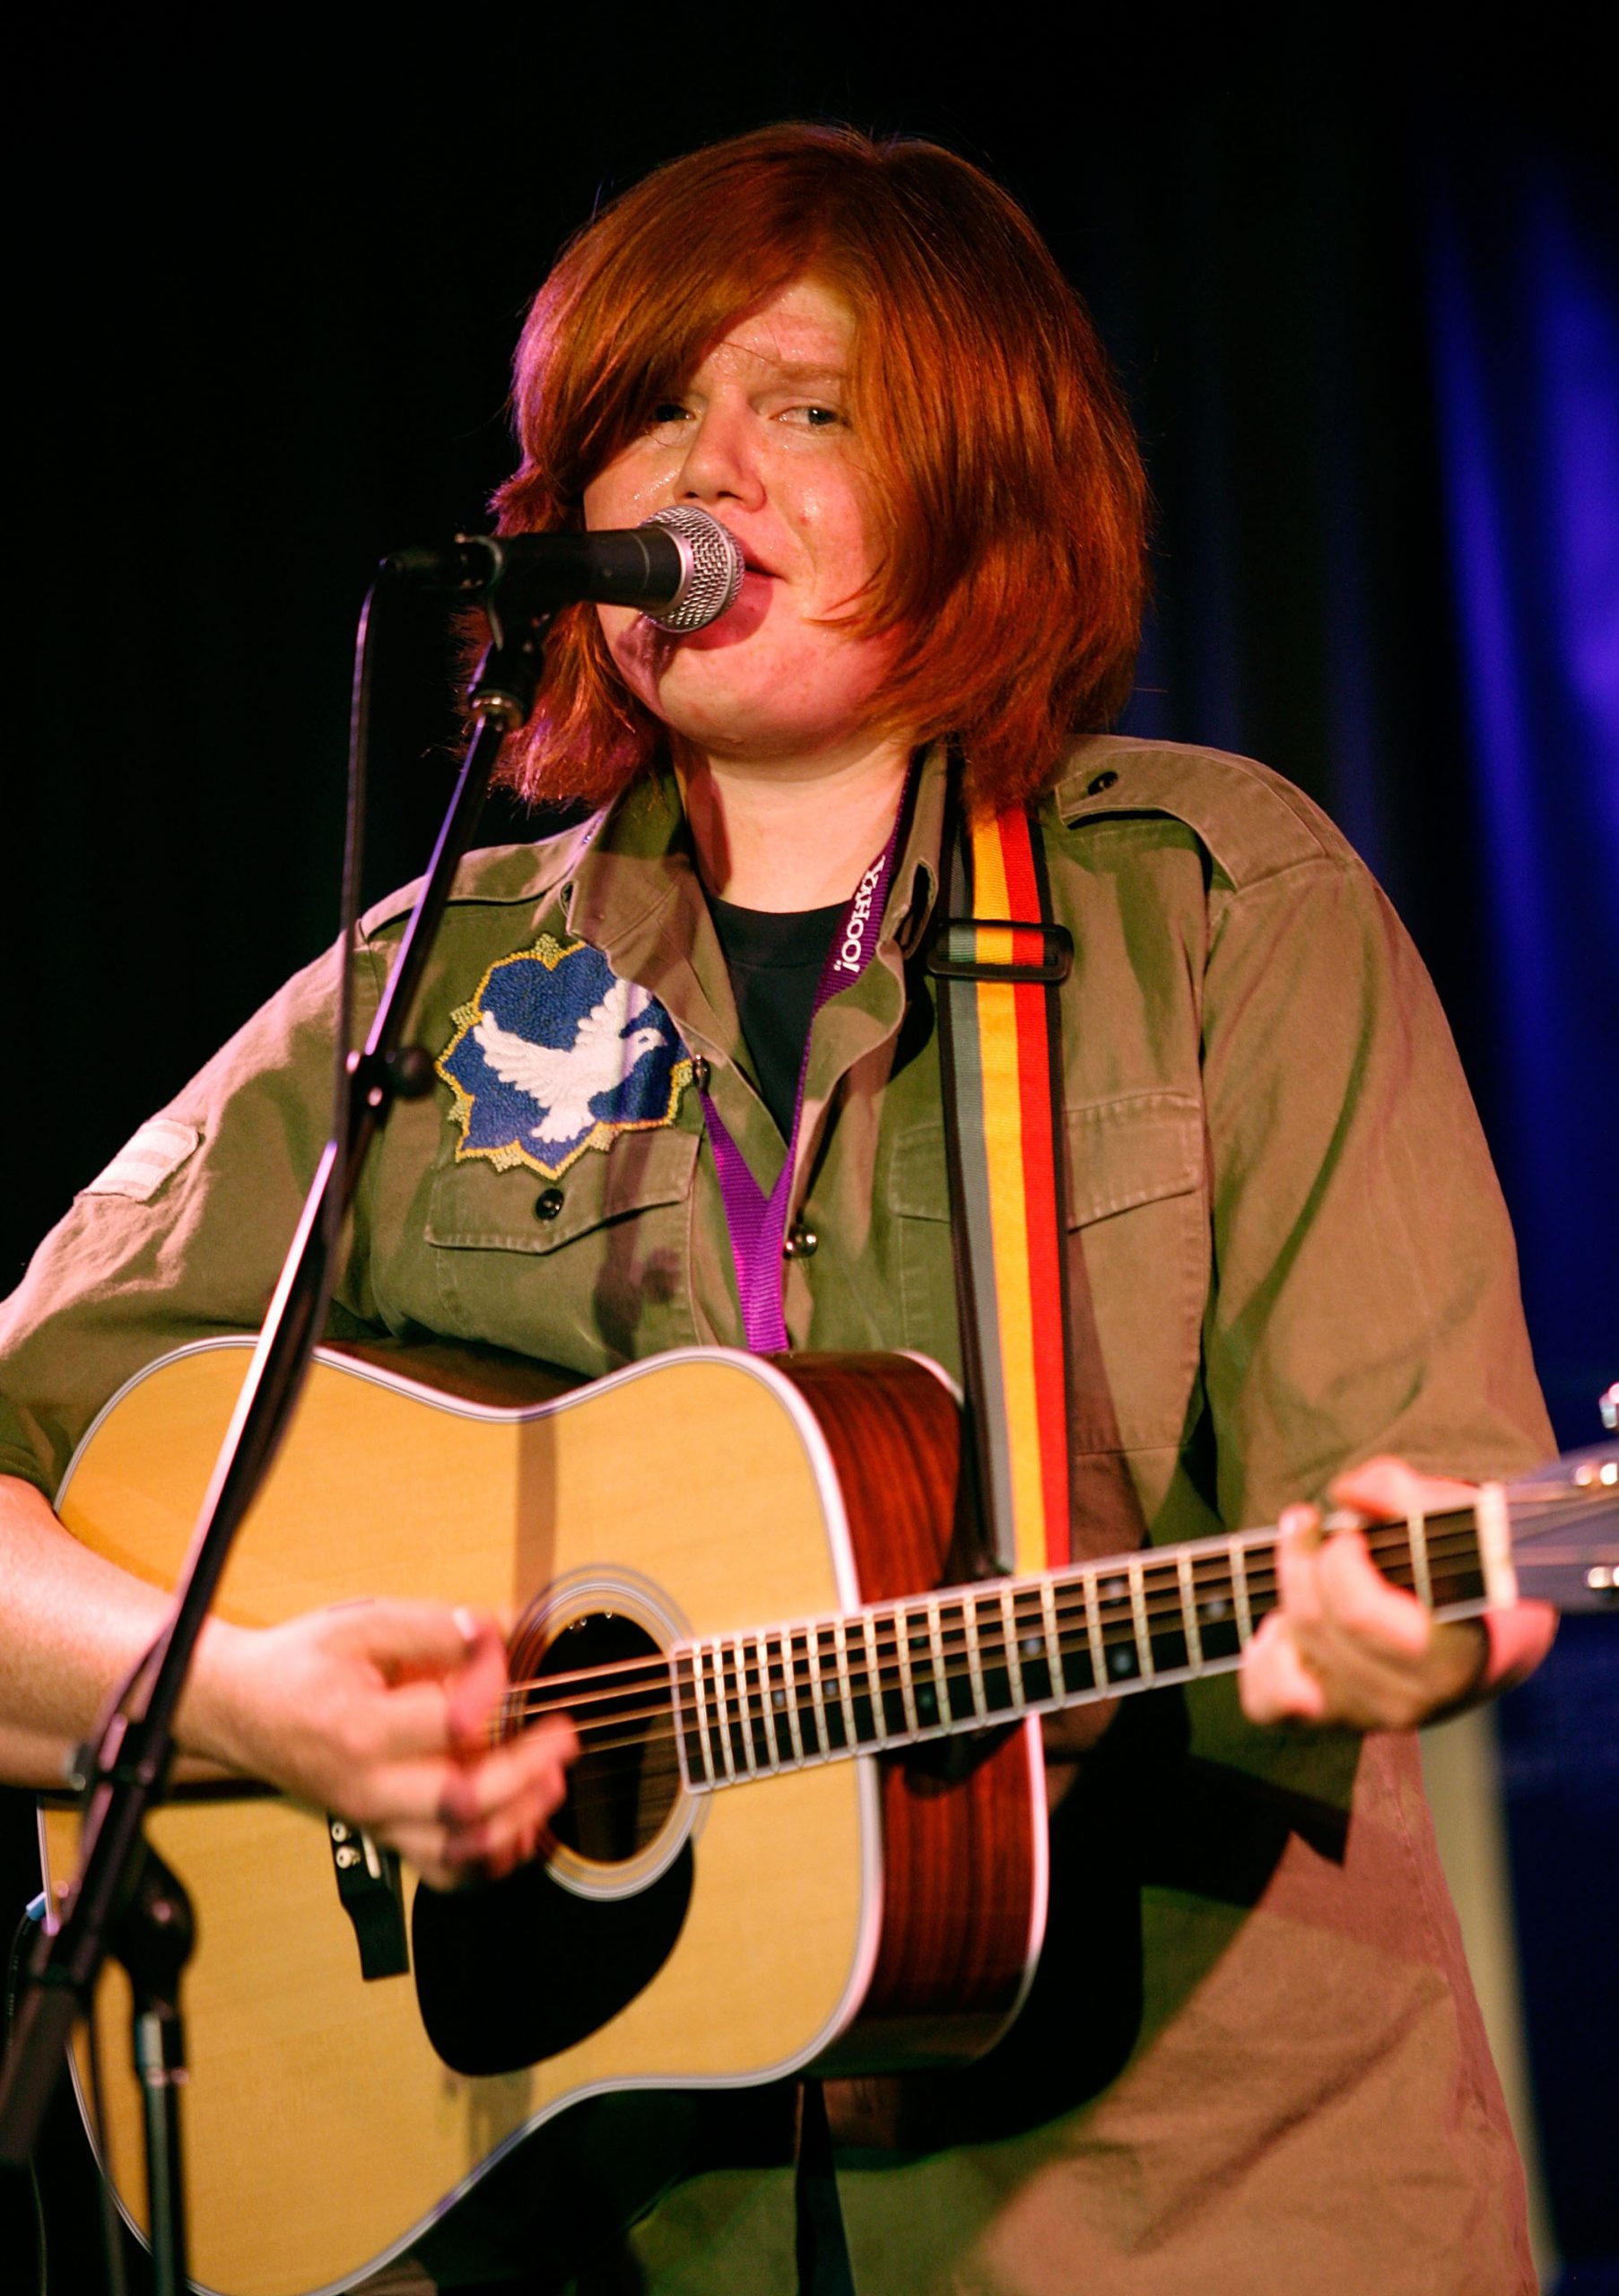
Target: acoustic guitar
[{"x": 730, "y": 1572}]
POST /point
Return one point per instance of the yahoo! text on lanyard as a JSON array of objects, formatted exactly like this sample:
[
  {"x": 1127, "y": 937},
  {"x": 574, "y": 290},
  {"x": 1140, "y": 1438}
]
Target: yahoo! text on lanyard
[{"x": 757, "y": 1222}]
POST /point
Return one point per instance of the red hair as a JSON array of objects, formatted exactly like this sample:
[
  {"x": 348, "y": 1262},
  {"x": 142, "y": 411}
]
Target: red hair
[{"x": 1009, "y": 497}]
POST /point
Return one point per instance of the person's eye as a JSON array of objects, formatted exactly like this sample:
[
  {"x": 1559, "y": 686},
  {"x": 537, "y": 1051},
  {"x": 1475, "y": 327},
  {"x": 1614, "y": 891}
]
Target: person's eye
[
  {"x": 666, "y": 413},
  {"x": 817, "y": 418}
]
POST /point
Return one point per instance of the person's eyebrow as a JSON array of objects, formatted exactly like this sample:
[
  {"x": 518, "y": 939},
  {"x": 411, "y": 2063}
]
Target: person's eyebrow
[{"x": 792, "y": 372}]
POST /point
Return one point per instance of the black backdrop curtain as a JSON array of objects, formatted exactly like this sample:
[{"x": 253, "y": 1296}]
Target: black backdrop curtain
[{"x": 1364, "y": 306}]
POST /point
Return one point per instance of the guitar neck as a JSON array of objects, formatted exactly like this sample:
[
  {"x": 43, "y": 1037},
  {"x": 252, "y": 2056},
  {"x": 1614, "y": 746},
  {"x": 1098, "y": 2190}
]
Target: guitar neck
[
  {"x": 891, "y": 1674},
  {"x": 901, "y": 1674}
]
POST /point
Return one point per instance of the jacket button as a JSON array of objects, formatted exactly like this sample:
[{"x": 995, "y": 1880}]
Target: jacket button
[
  {"x": 548, "y": 1203},
  {"x": 801, "y": 1242},
  {"x": 700, "y": 1072},
  {"x": 1102, "y": 781}
]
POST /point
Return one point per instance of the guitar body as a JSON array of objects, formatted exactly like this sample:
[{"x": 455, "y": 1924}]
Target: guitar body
[{"x": 852, "y": 1914}]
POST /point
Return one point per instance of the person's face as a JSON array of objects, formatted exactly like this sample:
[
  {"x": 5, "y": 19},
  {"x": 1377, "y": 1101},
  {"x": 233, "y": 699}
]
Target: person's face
[{"x": 760, "y": 437}]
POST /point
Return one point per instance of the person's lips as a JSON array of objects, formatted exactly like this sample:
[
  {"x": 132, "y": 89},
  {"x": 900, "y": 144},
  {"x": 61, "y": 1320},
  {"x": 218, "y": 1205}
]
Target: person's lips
[{"x": 753, "y": 562}]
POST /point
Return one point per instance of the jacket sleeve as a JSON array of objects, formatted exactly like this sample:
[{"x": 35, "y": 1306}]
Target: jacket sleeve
[{"x": 1365, "y": 1286}]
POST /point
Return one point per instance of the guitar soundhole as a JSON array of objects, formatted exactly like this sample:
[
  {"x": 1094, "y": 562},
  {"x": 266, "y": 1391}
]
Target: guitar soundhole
[{"x": 626, "y": 1780}]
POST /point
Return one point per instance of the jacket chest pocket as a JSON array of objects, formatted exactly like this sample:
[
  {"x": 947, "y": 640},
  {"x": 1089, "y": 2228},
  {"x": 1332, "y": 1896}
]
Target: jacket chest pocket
[
  {"x": 1138, "y": 1241},
  {"x": 590, "y": 1270}
]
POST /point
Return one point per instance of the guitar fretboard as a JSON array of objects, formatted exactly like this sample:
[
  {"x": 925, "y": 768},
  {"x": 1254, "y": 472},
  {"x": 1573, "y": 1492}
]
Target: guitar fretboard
[{"x": 896, "y": 1675}]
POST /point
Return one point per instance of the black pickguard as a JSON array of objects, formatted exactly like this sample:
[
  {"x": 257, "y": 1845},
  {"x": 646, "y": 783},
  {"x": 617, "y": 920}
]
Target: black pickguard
[{"x": 511, "y": 1973}]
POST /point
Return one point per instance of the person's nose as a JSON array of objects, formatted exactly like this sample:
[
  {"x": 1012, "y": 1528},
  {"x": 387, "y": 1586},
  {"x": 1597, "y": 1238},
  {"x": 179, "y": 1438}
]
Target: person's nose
[{"x": 721, "y": 462}]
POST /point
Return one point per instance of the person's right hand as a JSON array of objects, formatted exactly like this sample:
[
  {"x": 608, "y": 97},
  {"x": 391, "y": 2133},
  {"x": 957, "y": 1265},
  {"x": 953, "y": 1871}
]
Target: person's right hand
[{"x": 382, "y": 1712}]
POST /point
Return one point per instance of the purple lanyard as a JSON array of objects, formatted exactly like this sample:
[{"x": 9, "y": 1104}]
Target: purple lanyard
[{"x": 757, "y": 1222}]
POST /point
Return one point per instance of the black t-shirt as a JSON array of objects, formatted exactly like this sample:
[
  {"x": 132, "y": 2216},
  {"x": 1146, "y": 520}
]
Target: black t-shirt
[{"x": 775, "y": 960}]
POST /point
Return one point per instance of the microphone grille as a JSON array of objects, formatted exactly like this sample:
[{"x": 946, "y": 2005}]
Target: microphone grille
[{"x": 713, "y": 557}]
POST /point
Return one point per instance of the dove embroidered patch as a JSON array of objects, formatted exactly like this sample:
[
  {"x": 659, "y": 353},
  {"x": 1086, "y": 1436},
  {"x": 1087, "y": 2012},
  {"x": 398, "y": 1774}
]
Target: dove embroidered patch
[{"x": 555, "y": 1054}]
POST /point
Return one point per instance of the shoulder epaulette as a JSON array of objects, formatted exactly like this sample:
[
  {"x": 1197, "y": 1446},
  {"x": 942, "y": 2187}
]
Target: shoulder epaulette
[
  {"x": 525, "y": 874},
  {"x": 1252, "y": 821}
]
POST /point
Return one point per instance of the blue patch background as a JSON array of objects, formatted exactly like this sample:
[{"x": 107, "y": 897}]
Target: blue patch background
[{"x": 544, "y": 1004}]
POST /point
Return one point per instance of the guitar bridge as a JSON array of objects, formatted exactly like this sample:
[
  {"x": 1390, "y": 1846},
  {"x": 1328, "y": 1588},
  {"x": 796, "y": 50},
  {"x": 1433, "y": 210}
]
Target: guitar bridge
[{"x": 372, "y": 1894}]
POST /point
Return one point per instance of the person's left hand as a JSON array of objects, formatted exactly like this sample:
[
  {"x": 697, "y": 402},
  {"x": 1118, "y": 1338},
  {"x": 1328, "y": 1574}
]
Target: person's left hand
[{"x": 1345, "y": 1647}]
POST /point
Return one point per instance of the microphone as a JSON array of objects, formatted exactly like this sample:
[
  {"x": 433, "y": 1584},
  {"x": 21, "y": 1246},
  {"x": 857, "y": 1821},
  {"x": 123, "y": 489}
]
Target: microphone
[{"x": 680, "y": 567}]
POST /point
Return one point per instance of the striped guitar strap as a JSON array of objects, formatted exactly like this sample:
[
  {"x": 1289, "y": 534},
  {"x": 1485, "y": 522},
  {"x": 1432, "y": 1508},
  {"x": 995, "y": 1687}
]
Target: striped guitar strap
[{"x": 999, "y": 963}]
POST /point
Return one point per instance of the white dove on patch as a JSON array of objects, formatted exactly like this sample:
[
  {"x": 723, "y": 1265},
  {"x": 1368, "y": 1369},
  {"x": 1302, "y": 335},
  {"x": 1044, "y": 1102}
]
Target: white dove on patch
[{"x": 564, "y": 1082}]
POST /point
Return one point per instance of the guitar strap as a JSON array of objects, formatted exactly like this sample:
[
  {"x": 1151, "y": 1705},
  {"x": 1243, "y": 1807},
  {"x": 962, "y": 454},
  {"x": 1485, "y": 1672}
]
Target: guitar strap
[
  {"x": 999, "y": 962},
  {"x": 821, "y": 2245}
]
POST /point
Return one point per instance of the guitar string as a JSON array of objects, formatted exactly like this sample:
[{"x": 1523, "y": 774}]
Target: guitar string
[
  {"x": 747, "y": 1711},
  {"x": 1162, "y": 1578},
  {"x": 1116, "y": 1632},
  {"x": 751, "y": 1695},
  {"x": 1161, "y": 1590},
  {"x": 1162, "y": 1602},
  {"x": 750, "y": 1723},
  {"x": 754, "y": 1725},
  {"x": 992, "y": 1654}
]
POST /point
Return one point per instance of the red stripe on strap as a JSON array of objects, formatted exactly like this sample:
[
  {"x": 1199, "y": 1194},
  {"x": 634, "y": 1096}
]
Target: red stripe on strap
[{"x": 1043, "y": 1171}]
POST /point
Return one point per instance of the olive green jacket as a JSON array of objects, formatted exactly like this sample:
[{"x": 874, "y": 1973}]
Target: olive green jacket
[{"x": 1253, "y": 2055}]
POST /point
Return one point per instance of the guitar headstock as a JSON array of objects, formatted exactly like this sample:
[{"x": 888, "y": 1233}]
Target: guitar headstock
[{"x": 1565, "y": 1529}]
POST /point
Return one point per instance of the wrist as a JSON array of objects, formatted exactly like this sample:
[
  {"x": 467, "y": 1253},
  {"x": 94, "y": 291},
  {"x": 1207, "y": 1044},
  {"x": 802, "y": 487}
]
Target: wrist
[
  {"x": 1506, "y": 1645},
  {"x": 211, "y": 1719}
]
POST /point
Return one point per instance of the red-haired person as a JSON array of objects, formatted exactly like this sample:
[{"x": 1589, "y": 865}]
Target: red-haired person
[{"x": 1251, "y": 2057}]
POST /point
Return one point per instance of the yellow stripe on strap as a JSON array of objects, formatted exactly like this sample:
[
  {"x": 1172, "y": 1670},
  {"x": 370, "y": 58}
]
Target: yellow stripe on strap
[{"x": 1008, "y": 1223}]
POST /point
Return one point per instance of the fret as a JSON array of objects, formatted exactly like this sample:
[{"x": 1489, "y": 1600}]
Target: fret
[
  {"x": 887, "y": 1707},
  {"x": 871, "y": 1651},
  {"x": 727, "y": 1750},
  {"x": 736, "y": 1704},
  {"x": 744, "y": 1707},
  {"x": 756, "y": 1679},
  {"x": 1078, "y": 1637},
  {"x": 1422, "y": 1584},
  {"x": 692, "y": 1661},
  {"x": 975, "y": 1672},
  {"x": 992, "y": 1651},
  {"x": 840, "y": 1713},
  {"x": 1116, "y": 1599},
  {"x": 1037, "y": 1684},
  {"x": 889, "y": 1702},
  {"x": 747, "y": 1758},
  {"x": 1054, "y": 1646},
  {"x": 863, "y": 1726},
  {"x": 774, "y": 1677},
  {"x": 1014, "y": 1664},
  {"x": 961, "y": 1698},
  {"x": 922, "y": 1648},
  {"x": 688, "y": 1752},
  {"x": 1188, "y": 1608},
  {"x": 941, "y": 1671},
  {"x": 1166, "y": 1620},
  {"x": 1138, "y": 1619},
  {"x": 1490, "y": 1515},
  {"x": 907, "y": 1695},
  {"x": 1090, "y": 1594},
  {"x": 789, "y": 1672},
  {"x": 828, "y": 1713},
  {"x": 1245, "y": 1616},
  {"x": 1217, "y": 1629},
  {"x": 837, "y": 1732}
]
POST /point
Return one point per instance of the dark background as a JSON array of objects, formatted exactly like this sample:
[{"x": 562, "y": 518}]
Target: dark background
[{"x": 1363, "y": 294}]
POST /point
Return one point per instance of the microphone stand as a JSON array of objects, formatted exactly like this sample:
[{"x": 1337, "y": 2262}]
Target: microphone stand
[{"x": 123, "y": 1899}]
